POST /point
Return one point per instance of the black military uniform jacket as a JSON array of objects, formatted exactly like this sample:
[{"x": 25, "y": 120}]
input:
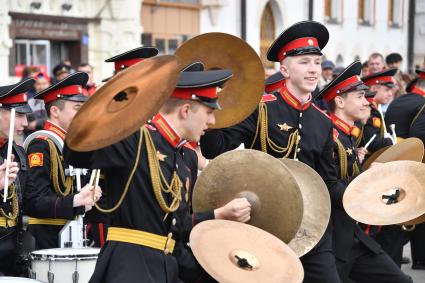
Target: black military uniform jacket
[
  {"x": 43, "y": 202},
  {"x": 140, "y": 210},
  {"x": 375, "y": 125},
  {"x": 345, "y": 229},
  {"x": 11, "y": 226},
  {"x": 284, "y": 127},
  {"x": 408, "y": 115}
]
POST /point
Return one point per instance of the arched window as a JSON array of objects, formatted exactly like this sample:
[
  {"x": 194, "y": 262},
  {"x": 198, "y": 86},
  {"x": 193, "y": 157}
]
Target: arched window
[{"x": 267, "y": 34}]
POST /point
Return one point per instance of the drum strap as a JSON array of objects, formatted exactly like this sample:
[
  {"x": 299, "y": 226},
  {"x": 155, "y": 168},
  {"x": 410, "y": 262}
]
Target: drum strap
[
  {"x": 47, "y": 221},
  {"x": 141, "y": 238}
]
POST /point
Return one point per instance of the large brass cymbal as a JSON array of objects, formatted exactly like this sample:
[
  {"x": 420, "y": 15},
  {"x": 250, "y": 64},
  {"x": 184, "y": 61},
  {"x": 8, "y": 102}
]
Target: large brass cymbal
[
  {"x": 407, "y": 149},
  {"x": 124, "y": 103},
  {"x": 242, "y": 93},
  {"x": 372, "y": 158},
  {"x": 367, "y": 197},
  {"x": 276, "y": 201},
  {"x": 217, "y": 244},
  {"x": 317, "y": 206}
]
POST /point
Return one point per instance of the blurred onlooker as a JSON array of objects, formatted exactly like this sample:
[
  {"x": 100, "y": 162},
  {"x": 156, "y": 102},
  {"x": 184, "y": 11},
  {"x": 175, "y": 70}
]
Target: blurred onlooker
[
  {"x": 29, "y": 72},
  {"x": 338, "y": 71},
  {"x": 327, "y": 73},
  {"x": 90, "y": 87},
  {"x": 60, "y": 71},
  {"x": 376, "y": 63},
  {"x": 38, "y": 116},
  {"x": 365, "y": 69},
  {"x": 394, "y": 61}
]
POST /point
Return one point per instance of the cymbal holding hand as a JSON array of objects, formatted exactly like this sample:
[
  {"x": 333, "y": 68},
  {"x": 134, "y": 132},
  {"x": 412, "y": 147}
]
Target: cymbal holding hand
[{"x": 238, "y": 209}]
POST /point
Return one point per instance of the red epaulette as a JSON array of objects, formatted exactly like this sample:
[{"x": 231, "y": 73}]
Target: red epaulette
[
  {"x": 189, "y": 145},
  {"x": 41, "y": 137},
  {"x": 335, "y": 134},
  {"x": 321, "y": 110},
  {"x": 150, "y": 127},
  {"x": 268, "y": 98}
]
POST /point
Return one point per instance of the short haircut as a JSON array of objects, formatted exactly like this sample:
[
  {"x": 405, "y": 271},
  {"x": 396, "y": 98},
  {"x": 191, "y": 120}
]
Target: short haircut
[
  {"x": 376, "y": 55},
  {"x": 59, "y": 103},
  {"x": 332, "y": 104},
  {"x": 173, "y": 103}
]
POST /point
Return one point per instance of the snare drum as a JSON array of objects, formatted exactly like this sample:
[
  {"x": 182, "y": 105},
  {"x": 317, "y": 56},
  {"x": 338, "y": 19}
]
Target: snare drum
[
  {"x": 4, "y": 279},
  {"x": 63, "y": 265}
]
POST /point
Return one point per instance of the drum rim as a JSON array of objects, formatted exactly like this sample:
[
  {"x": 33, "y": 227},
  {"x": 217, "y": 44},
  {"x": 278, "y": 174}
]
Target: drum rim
[{"x": 48, "y": 255}]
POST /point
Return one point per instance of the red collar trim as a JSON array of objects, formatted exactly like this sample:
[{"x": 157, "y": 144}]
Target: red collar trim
[
  {"x": 125, "y": 63},
  {"x": 417, "y": 90},
  {"x": 50, "y": 126},
  {"x": 167, "y": 130},
  {"x": 293, "y": 101},
  {"x": 14, "y": 99},
  {"x": 341, "y": 125}
]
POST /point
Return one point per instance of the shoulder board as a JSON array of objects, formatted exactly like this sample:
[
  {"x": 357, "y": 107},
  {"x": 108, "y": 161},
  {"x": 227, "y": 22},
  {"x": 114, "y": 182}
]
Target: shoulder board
[
  {"x": 355, "y": 132},
  {"x": 41, "y": 137},
  {"x": 150, "y": 127},
  {"x": 335, "y": 134},
  {"x": 189, "y": 146},
  {"x": 268, "y": 98},
  {"x": 376, "y": 122},
  {"x": 321, "y": 110}
]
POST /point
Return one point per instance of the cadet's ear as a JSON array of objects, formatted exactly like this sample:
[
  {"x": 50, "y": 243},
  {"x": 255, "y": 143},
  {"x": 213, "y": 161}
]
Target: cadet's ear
[
  {"x": 184, "y": 110},
  {"x": 339, "y": 102},
  {"x": 284, "y": 68},
  {"x": 54, "y": 111}
]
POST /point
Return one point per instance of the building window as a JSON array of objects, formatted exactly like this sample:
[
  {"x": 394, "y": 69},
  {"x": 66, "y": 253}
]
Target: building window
[
  {"x": 267, "y": 34},
  {"x": 366, "y": 10},
  {"x": 167, "y": 45},
  {"x": 395, "y": 13},
  {"x": 333, "y": 11}
]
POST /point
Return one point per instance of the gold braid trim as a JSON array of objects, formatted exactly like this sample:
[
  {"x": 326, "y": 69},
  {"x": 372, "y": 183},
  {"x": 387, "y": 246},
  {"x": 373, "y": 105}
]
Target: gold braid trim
[
  {"x": 15, "y": 205},
  {"x": 157, "y": 178},
  {"x": 356, "y": 170},
  {"x": 263, "y": 131},
  {"x": 342, "y": 155},
  {"x": 56, "y": 172}
]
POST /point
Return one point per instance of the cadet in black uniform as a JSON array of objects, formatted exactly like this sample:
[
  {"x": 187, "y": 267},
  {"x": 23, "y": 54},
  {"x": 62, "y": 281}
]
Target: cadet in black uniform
[
  {"x": 287, "y": 124},
  {"x": 13, "y": 96},
  {"x": 54, "y": 200},
  {"x": 358, "y": 256},
  {"x": 382, "y": 83},
  {"x": 155, "y": 169},
  {"x": 408, "y": 114}
]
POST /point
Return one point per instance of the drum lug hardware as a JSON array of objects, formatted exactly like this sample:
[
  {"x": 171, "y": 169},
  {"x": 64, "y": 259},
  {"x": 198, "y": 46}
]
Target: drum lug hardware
[
  {"x": 75, "y": 276},
  {"x": 50, "y": 277}
]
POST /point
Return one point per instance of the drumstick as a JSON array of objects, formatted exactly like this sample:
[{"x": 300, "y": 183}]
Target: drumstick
[
  {"x": 9, "y": 152},
  {"x": 392, "y": 126},
  {"x": 95, "y": 182},
  {"x": 370, "y": 141}
]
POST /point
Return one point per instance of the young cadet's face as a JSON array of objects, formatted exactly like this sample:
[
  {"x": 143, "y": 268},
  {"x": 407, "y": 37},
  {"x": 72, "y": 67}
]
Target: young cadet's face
[
  {"x": 355, "y": 105},
  {"x": 68, "y": 112},
  {"x": 20, "y": 123},
  {"x": 199, "y": 119},
  {"x": 383, "y": 95},
  {"x": 302, "y": 72}
]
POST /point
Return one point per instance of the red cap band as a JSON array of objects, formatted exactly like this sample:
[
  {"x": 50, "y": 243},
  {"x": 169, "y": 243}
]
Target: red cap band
[
  {"x": 125, "y": 63},
  {"x": 421, "y": 75},
  {"x": 57, "y": 93},
  {"x": 14, "y": 99},
  {"x": 187, "y": 93},
  {"x": 379, "y": 80},
  {"x": 273, "y": 87},
  {"x": 337, "y": 89},
  {"x": 297, "y": 43}
]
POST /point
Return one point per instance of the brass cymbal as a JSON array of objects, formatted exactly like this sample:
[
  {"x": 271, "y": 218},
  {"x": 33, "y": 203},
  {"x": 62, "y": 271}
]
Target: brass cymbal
[
  {"x": 407, "y": 149},
  {"x": 242, "y": 93},
  {"x": 368, "y": 198},
  {"x": 372, "y": 158},
  {"x": 317, "y": 206},
  {"x": 276, "y": 201},
  {"x": 217, "y": 245},
  {"x": 417, "y": 220},
  {"x": 124, "y": 103}
]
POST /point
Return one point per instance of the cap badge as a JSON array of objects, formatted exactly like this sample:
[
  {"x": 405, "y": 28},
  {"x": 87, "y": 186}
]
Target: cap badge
[{"x": 310, "y": 42}]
